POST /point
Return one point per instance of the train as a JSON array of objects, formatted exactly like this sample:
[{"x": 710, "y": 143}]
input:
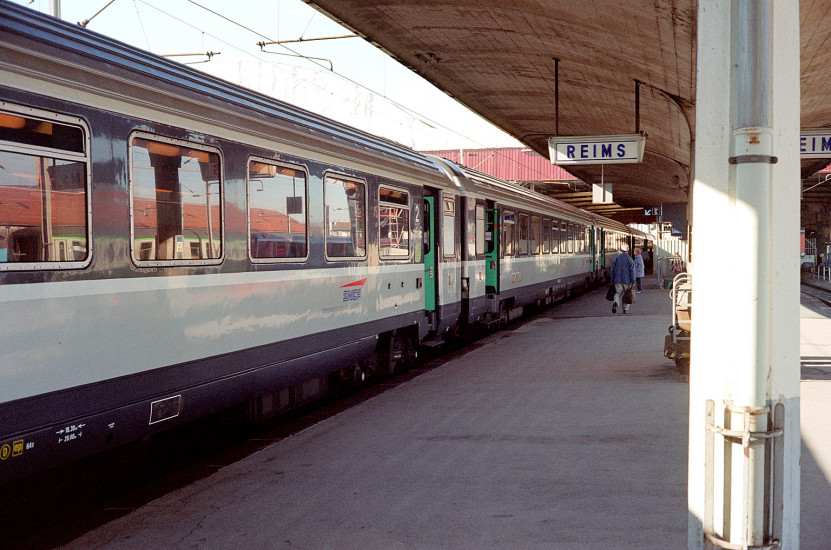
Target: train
[{"x": 173, "y": 245}]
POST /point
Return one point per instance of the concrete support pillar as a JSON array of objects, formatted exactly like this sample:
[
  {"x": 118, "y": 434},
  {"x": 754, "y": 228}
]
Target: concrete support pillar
[{"x": 744, "y": 373}]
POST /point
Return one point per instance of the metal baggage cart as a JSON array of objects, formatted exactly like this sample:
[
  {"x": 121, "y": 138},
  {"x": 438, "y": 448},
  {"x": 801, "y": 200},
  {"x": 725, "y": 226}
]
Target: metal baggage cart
[{"x": 677, "y": 342}]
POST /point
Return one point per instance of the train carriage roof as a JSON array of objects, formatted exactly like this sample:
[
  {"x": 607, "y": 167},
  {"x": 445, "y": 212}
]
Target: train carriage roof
[{"x": 478, "y": 183}]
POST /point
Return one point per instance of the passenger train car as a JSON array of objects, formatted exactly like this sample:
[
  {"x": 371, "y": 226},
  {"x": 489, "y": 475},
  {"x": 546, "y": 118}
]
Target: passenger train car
[{"x": 172, "y": 245}]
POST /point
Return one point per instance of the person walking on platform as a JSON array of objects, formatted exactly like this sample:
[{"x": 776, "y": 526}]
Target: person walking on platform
[
  {"x": 639, "y": 269},
  {"x": 623, "y": 277}
]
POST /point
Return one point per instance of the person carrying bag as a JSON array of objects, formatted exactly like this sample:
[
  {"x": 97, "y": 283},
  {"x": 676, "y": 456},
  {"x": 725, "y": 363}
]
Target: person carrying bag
[{"x": 623, "y": 277}]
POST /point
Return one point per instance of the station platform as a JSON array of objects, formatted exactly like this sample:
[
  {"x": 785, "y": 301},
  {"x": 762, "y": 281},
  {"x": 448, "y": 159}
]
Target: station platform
[{"x": 568, "y": 431}]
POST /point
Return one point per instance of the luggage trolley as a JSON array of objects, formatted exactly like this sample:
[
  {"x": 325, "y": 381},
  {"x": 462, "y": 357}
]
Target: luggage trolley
[
  {"x": 664, "y": 273},
  {"x": 677, "y": 342}
]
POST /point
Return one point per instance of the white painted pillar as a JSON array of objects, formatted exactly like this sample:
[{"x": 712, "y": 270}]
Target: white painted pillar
[{"x": 745, "y": 257}]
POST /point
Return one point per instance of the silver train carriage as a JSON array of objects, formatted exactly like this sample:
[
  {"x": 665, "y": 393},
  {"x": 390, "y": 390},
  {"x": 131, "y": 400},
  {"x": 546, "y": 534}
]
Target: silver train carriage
[{"x": 172, "y": 245}]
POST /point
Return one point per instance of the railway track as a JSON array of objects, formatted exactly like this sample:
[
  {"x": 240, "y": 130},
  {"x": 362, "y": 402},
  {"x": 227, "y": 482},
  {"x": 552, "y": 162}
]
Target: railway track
[{"x": 816, "y": 290}]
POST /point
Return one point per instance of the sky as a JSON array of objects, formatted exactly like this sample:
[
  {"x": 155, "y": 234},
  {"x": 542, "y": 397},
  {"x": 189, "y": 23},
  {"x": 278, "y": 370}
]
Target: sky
[{"x": 350, "y": 81}]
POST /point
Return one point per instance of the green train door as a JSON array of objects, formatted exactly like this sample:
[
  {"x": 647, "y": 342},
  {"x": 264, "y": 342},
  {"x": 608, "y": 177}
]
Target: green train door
[
  {"x": 491, "y": 252},
  {"x": 593, "y": 241},
  {"x": 602, "y": 249},
  {"x": 429, "y": 254}
]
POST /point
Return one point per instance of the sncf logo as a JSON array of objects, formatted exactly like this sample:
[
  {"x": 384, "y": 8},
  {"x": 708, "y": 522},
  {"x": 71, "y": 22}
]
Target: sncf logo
[{"x": 352, "y": 291}]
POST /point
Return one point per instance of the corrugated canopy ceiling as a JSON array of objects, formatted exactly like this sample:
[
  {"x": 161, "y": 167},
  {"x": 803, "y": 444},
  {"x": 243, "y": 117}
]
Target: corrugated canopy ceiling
[{"x": 498, "y": 58}]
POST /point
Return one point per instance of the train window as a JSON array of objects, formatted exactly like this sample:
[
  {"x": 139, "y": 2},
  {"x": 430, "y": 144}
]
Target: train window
[
  {"x": 523, "y": 234},
  {"x": 555, "y": 236},
  {"x": 448, "y": 227},
  {"x": 394, "y": 224},
  {"x": 480, "y": 229},
  {"x": 345, "y": 201},
  {"x": 508, "y": 232},
  {"x": 563, "y": 237},
  {"x": 277, "y": 213},
  {"x": 536, "y": 234},
  {"x": 176, "y": 202},
  {"x": 546, "y": 236},
  {"x": 570, "y": 238},
  {"x": 44, "y": 197}
]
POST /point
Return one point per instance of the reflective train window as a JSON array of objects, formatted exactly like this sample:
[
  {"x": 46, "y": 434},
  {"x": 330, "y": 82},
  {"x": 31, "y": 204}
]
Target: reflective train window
[
  {"x": 277, "y": 213},
  {"x": 480, "y": 229},
  {"x": 448, "y": 227},
  {"x": 394, "y": 224},
  {"x": 176, "y": 202},
  {"x": 523, "y": 234},
  {"x": 44, "y": 190},
  {"x": 508, "y": 219},
  {"x": 345, "y": 203},
  {"x": 536, "y": 234},
  {"x": 570, "y": 238},
  {"x": 546, "y": 236}
]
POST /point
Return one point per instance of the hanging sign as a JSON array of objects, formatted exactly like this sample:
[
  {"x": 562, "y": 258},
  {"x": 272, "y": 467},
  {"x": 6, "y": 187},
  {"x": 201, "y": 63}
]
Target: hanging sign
[
  {"x": 815, "y": 143},
  {"x": 616, "y": 149}
]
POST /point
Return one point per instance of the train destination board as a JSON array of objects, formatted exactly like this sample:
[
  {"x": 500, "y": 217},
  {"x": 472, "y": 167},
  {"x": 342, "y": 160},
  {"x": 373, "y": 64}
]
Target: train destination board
[{"x": 613, "y": 149}]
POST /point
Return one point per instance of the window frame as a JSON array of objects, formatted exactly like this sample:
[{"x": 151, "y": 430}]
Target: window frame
[
  {"x": 535, "y": 235},
  {"x": 84, "y": 157},
  {"x": 409, "y": 209},
  {"x": 523, "y": 225},
  {"x": 507, "y": 248},
  {"x": 546, "y": 236},
  {"x": 181, "y": 262},
  {"x": 570, "y": 237},
  {"x": 479, "y": 232},
  {"x": 448, "y": 252},
  {"x": 351, "y": 179},
  {"x": 290, "y": 166}
]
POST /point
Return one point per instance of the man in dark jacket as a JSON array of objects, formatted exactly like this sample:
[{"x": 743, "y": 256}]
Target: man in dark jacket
[{"x": 623, "y": 276}]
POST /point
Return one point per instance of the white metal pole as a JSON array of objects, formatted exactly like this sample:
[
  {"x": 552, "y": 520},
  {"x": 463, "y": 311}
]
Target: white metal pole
[{"x": 745, "y": 345}]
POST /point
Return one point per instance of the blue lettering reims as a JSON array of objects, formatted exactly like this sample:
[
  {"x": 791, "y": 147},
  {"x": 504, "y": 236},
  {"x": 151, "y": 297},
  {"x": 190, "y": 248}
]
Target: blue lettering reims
[
  {"x": 826, "y": 143},
  {"x": 606, "y": 150},
  {"x": 802, "y": 144},
  {"x": 570, "y": 151},
  {"x": 621, "y": 150},
  {"x": 584, "y": 151}
]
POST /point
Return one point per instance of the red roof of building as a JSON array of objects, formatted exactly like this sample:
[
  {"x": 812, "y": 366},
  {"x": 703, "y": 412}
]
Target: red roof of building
[{"x": 507, "y": 163}]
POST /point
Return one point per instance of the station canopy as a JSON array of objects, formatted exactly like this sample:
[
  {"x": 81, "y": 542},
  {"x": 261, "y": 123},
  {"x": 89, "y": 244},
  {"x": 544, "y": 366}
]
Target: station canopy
[{"x": 507, "y": 60}]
